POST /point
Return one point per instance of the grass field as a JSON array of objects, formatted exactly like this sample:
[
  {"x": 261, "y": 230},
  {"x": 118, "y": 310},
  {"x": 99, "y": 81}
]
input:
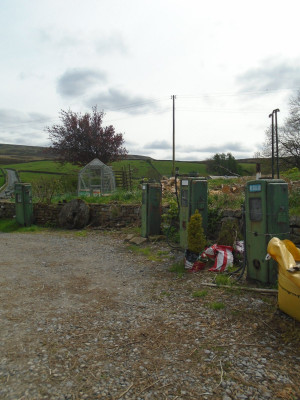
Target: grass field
[
  {"x": 151, "y": 169},
  {"x": 2, "y": 178}
]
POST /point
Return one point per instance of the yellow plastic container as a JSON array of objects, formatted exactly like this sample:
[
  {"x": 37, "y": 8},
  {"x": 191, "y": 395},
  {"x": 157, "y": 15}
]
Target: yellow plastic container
[
  {"x": 285, "y": 253},
  {"x": 288, "y": 296}
]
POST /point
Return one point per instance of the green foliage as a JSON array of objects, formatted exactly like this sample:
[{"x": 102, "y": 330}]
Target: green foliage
[
  {"x": 213, "y": 221},
  {"x": 44, "y": 189},
  {"x": 229, "y": 232},
  {"x": 200, "y": 293},
  {"x": 216, "y": 305},
  {"x": 148, "y": 253},
  {"x": 226, "y": 201},
  {"x": 11, "y": 225},
  {"x": 222, "y": 279},
  {"x": 294, "y": 202},
  {"x": 178, "y": 268},
  {"x": 223, "y": 164},
  {"x": 196, "y": 238},
  {"x": 170, "y": 221},
  {"x": 120, "y": 196},
  {"x": 172, "y": 212},
  {"x": 292, "y": 174}
]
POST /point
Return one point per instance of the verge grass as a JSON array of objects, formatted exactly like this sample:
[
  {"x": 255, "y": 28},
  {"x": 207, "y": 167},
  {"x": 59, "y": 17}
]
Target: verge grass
[
  {"x": 178, "y": 268},
  {"x": 11, "y": 225}
]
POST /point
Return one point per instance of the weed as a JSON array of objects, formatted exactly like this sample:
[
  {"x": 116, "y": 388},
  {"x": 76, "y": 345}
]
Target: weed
[
  {"x": 162, "y": 253},
  {"x": 146, "y": 252},
  {"x": 178, "y": 268},
  {"x": 216, "y": 305},
  {"x": 223, "y": 280},
  {"x": 164, "y": 293},
  {"x": 200, "y": 293},
  {"x": 81, "y": 233}
]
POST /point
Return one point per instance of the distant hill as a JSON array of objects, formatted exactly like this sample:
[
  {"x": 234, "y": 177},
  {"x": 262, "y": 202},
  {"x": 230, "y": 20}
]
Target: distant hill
[{"x": 15, "y": 153}]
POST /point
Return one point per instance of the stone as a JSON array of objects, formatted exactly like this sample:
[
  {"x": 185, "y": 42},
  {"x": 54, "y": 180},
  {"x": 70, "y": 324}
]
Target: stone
[
  {"x": 129, "y": 237},
  {"x": 74, "y": 215},
  {"x": 138, "y": 240}
]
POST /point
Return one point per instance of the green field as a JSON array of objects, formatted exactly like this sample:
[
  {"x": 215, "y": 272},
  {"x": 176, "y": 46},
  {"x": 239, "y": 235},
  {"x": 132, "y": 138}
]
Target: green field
[
  {"x": 151, "y": 169},
  {"x": 2, "y": 177}
]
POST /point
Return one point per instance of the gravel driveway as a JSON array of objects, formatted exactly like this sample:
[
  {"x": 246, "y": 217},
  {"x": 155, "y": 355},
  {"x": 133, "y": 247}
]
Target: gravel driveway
[{"x": 82, "y": 317}]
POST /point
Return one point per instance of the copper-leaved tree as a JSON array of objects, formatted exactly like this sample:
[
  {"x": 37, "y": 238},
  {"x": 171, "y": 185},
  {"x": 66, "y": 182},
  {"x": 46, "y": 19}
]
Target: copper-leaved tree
[{"x": 81, "y": 138}]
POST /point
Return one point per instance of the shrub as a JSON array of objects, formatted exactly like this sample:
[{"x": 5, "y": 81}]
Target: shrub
[
  {"x": 229, "y": 232},
  {"x": 196, "y": 238}
]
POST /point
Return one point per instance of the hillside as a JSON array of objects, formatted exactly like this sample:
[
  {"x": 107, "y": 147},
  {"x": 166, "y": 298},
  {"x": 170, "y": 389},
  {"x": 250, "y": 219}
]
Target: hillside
[{"x": 14, "y": 153}]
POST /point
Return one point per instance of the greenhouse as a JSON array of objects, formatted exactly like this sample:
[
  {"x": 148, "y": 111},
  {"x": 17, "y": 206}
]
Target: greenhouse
[{"x": 96, "y": 179}]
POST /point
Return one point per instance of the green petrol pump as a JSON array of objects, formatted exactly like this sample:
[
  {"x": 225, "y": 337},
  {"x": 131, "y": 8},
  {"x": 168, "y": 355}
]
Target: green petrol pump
[
  {"x": 266, "y": 216},
  {"x": 193, "y": 196},
  {"x": 151, "y": 209},
  {"x": 24, "y": 207}
]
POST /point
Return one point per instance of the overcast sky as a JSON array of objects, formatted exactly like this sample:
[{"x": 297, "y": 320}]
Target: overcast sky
[{"x": 229, "y": 63}]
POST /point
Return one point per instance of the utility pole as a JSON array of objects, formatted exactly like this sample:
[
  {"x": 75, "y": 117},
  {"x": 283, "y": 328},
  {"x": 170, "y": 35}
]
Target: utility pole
[
  {"x": 272, "y": 115},
  {"x": 173, "y": 167},
  {"x": 277, "y": 147}
]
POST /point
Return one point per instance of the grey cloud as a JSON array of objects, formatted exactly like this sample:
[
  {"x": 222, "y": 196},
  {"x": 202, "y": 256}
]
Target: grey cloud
[
  {"x": 111, "y": 43},
  {"x": 227, "y": 147},
  {"x": 75, "y": 82},
  {"x": 19, "y": 127},
  {"x": 115, "y": 100},
  {"x": 10, "y": 117},
  {"x": 271, "y": 75},
  {"x": 158, "y": 145},
  {"x": 101, "y": 42}
]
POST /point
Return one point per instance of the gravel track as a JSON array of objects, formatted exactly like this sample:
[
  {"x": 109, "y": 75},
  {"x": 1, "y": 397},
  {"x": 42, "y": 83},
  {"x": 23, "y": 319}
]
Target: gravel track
[{"x": 82, "y": 317}]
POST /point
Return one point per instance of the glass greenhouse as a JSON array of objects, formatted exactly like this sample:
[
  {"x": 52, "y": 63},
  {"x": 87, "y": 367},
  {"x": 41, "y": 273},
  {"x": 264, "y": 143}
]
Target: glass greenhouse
[{"x": 96, "y": 179}]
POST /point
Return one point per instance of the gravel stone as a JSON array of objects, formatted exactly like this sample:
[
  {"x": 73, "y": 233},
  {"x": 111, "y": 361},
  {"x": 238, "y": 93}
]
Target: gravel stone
[{"x": 82, "y": 317}]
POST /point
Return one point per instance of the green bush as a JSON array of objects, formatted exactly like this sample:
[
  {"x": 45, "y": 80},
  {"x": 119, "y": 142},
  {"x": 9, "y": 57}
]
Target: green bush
[
  {"x": 196, "y": 238},
  {"x": 229, "y": 232}
]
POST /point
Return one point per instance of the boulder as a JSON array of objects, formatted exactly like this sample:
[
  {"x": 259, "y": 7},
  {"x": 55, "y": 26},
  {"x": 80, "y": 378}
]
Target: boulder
[{"x": 74, "y": 215}]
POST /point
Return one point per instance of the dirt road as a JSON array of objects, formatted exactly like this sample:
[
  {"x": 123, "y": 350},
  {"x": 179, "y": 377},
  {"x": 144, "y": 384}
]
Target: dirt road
[{"x": 82, "y": 317}]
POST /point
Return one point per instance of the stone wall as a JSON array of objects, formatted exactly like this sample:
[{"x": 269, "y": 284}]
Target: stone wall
[
  {"x": 116, "y": 215},
  {"x": 104, "y": 215}
]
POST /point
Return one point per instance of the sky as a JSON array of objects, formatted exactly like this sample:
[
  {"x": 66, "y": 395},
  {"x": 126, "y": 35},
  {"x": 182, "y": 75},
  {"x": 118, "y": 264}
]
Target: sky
[{"x": 229, "y": 64}]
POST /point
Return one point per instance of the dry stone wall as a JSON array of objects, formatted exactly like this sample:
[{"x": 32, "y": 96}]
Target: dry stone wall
[
  {"x": 104, "y": 215},
  {"x": 116, "y": 215}
]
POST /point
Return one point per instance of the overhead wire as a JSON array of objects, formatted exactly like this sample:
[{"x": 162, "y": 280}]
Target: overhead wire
[{"x": 140, "y": 104}]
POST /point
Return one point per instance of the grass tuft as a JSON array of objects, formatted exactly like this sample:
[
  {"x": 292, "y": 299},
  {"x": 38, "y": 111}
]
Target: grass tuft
[
  {"x": 178, "y": 268},
  {"x": 216, "y": 305},
  {"x": 200, "y": 293}
]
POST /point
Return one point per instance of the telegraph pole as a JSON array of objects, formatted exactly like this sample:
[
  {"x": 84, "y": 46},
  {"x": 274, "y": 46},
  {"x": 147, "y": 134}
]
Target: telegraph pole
[
  {"x": 173, "y": 167},
  {"x": 277, "y": 147},
  {"x": 272, "y": 116}
]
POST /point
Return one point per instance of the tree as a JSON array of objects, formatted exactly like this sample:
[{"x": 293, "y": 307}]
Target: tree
[
  {"x": 81, "y": 138},
  {"x": 223, "y": 164},
  {"x": 288, "y": 136}
]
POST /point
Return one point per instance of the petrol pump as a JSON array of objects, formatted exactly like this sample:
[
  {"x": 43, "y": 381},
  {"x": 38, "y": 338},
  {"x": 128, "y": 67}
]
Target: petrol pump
[
  {"x": 23, "y": 201},
  {"x": 193, "y": 196},
  {"x": 266, "y": 216},
  {"x": 151, "y": 209}
]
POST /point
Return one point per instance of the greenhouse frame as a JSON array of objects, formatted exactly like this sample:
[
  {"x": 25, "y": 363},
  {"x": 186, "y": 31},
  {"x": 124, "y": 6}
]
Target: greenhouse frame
[{"x": 96, "y": 179}]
